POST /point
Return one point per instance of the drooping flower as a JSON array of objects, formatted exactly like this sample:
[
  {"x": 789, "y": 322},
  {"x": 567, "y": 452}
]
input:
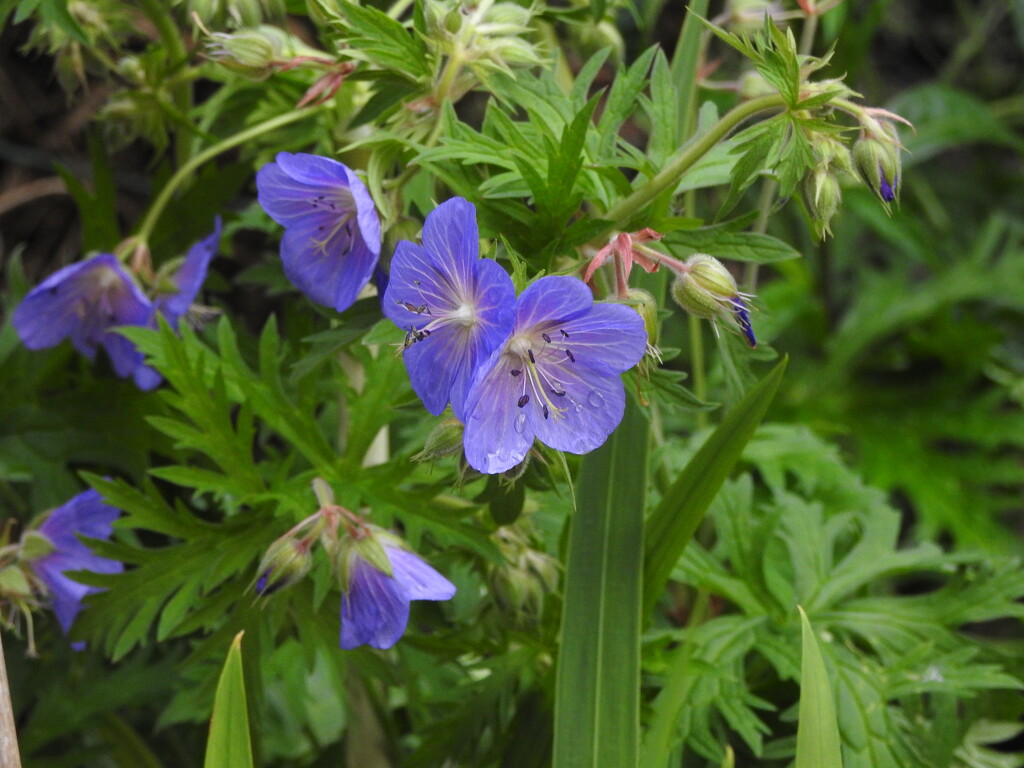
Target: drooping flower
[
  {"x": 556, "y": 377},
  {"x": 84, "y": 515},
  {"x": 705, "y": 288},
  {"x": 374, "y": 602},
  {"x": 455, "y": 306},
  {"x": 83, "y": 302},
  {"x": 332, "y": 232},
  {"x": 174, "y": 297}
]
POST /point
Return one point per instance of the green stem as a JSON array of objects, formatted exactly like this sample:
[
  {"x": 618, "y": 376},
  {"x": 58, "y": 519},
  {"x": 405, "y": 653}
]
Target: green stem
[
  {"x": 190, "y": 165},
  {"x": 808, "y": 33},
  {"x": 764, "y": 207},
  {"x": 400, "y": 7},
  {"x": 620, "y": 213},
  {"x": 700, "y": 382}
]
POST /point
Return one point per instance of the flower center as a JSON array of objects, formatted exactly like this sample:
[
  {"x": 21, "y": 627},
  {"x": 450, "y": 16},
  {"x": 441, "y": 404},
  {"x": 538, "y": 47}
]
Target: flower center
[
  {"x": 465, "y": 316},
  {"x": 540, "y": 358}
]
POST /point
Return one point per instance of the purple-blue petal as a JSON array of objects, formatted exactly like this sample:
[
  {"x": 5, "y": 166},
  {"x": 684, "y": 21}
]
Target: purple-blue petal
[
  {"x": 590, "y": 410},
  {"x": 498, "y": 434},
  {"x": 555, "y": 378},
  {"x": 190, "y": 276},
  {"x": 330, "y": 272},
  {"x": 612, "y": 335},
  {"x": 428, "y": 288},
  {"x": 418, "y": 579},
  {"x": 552, "y": 298},
  {"x": 84, "y": 302},
  {"x": 87, "y": 515},
  {"x": 887, "y": 190},
  {"x": 450, "y": 234},
  {"x": 366, "y": 212},
  {"x": 332, "y": 232},
  {"x": 374, "y": 610},
  {"x": 81, "y": 302}
]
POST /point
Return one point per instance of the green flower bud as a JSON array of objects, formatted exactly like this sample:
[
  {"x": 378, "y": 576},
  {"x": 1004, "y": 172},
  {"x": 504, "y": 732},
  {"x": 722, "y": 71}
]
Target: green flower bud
[
  {"x": 525, "y": 578},
  {"x": 877, "y": 156},
  {"x": 444, "y": 440},
  {"x": 453, "y": 21},
  {"x": 591, "y": 38},
  {"x": 645, "y": 305},
  {"x": 256, "y": 53},
  {"x": 753, "y": 85},
  {"x": 286, "y": 562},
  {"x": 703, "y": 288},
  {"x": 822, "y": 195},
  {"x": 706, "y": 289}
]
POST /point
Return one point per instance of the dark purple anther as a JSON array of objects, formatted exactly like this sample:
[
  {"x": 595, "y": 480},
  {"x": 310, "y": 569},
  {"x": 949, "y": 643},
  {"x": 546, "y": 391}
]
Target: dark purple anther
[{"x": 523, "y": 400}]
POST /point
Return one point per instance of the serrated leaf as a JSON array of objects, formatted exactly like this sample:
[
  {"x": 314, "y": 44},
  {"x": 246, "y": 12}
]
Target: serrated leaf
[{"x": 385, "y": 42}]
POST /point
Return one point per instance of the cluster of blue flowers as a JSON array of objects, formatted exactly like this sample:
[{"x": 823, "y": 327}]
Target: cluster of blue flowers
[{"x": 544, "y": 365}]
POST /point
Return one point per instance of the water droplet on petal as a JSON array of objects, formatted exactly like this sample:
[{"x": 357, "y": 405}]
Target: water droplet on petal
[
  {"x": 595, "y": 399},
  {"x": 520, "y": 423}
]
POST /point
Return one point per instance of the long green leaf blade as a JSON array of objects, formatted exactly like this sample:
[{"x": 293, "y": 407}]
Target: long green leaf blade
[
  {"x": 673, "y": 522},
  {"x": 817, "y": 736},
  {"x": 597, "y": 696},
  {"x": 229, "y": 745}
]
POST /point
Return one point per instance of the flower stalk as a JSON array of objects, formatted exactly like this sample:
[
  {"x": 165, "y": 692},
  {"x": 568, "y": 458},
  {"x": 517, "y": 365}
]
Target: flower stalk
[{"x": 620, "y": 213}]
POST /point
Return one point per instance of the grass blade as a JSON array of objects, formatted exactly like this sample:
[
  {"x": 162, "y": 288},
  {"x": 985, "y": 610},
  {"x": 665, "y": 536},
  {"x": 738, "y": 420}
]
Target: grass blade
[
  {"x": 817, "y": 736},
  {"x": 672, "y": 524},
  {"x": 597, "y": 695},
  {"x": 229, "y": 745}
]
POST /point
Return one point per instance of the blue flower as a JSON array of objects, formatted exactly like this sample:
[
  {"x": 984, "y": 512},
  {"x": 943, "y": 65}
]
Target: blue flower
[
  {"x": 332, "y": 233},
  {"x": 375, "y": 606},
  {"x": 456, "y": 306},
  {"x": 84, "y": 515},
  {"x": 83, "y": 302},
  {"x": 174, "y": 299},
  {"x": 556, "y": 377}
]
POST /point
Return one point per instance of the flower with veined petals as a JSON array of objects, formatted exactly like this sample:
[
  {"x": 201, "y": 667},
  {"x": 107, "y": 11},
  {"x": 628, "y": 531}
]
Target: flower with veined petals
[
  {"x": 556, "y": 377},
  {"x": 455, "y": 306},
  {"x": 375, "y": 603},
  {"x": 83, "y": 302},
  {"x": 332, "y": 232},
  {"x": 86, "y": 515}
]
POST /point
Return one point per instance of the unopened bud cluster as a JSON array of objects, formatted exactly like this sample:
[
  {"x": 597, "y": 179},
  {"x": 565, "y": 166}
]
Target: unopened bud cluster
[
  {"x": 525, "y": 577},
  {"x": 821, "y": 187},
  {"x": 485, "y": 36}
]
